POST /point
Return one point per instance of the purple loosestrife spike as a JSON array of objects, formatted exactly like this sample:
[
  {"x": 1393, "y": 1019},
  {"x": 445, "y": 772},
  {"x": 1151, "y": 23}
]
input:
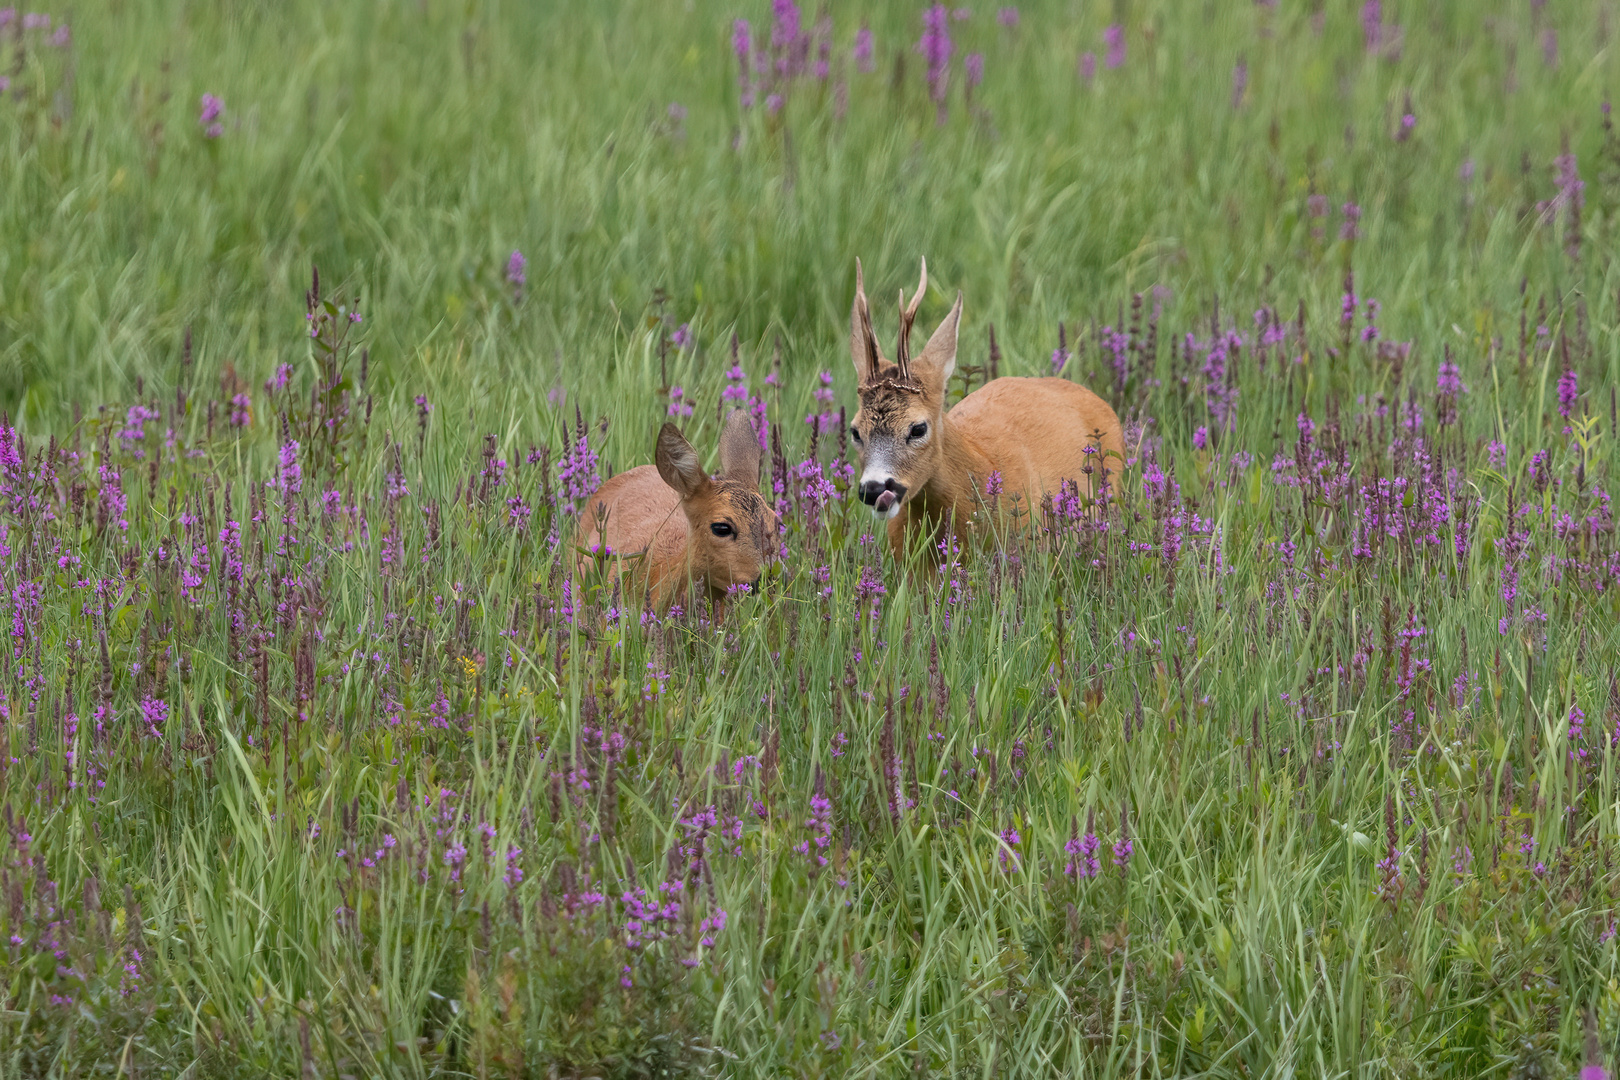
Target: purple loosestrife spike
[
  {"x": 974, "y": 65},
  {"x": 1008, "y": 17},
  {"x": 1009, "y": 859},
  {"x": 1114, "y": 41},
  {"x": 1372, "y": 24},
  {"x": 516, "y": 265},
  {"x": 1087, "y": 67},
  {"x": 1352, "y": 219},
  {"x": 936, "y": 47},
  {"x": 1568, "y": 391},
  {"x": 862, "y": 52}
]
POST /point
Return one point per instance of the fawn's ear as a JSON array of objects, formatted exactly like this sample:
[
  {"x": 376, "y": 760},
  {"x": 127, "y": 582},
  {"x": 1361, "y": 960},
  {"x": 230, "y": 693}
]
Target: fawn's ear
[
  {"x": 739, "y": 449},
  {"x": 863, "y": 346},
  {"x": 938, "y": 358},
  {"x": 678, "y": 463}
]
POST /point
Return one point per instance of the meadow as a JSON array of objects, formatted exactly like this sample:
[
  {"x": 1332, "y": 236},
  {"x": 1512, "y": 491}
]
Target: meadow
[{"x": 319, "y": 322}]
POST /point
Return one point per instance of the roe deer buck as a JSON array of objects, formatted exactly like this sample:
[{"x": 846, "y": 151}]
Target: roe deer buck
[
  {"x": 922, "y": 465},
  {"x": 682, "y": 528}
]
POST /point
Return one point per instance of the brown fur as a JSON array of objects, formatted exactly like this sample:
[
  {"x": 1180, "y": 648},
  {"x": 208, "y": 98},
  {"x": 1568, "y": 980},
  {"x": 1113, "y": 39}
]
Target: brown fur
[
  {"x": 1035, "y": 432},
  {"x": 656, "y": 520}
]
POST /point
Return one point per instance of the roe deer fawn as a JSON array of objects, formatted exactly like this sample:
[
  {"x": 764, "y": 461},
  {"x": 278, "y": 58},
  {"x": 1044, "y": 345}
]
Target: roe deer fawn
[
  {"x": 683, "y": 529},
  {"x": 922, "y": 465}
]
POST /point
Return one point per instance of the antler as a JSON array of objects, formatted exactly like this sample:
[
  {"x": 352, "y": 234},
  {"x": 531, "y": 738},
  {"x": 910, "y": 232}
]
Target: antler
[
  {"x": 863, "y": 341},
  {"x": 908, "y": 315}
]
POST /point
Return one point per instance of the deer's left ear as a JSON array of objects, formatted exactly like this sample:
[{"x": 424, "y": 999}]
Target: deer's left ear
[
  {"x": 938, "y": 359},
  {"x": 739, "y": 449}
]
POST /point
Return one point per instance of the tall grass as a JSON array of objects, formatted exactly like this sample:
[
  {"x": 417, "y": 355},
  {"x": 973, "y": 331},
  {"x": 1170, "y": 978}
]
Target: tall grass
[{"x": 318, "y": 758}]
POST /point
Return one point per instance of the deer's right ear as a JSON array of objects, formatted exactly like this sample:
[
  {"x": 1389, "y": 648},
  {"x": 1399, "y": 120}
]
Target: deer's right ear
[
  {"x": 678, "y": 463},
  {"x": 863, "y": 348}
]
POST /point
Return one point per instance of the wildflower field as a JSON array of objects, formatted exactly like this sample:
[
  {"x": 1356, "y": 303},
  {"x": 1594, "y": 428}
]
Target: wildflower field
[{"x": 319, "y": 323}]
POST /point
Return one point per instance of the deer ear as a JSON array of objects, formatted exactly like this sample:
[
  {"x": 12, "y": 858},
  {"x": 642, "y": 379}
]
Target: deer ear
[
  {"x": 739, "y": 449},
  {"x": 863, "y": 348},
  {"x": 678, "y": 463},
  {"x": 938, "y": 359}
]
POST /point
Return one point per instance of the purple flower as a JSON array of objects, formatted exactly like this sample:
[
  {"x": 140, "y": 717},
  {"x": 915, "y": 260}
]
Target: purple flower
[
  {"x": 1594, "y": 1072},
  {"x": 212, "y": 107},
  {"x": 577, "y": 474},
  {"x": 863, "y": 51},
  {"x": 1082, "y": 852},
  {"x": 773, "y": 104},
  {"x": 676, "y": 112},
  {"x": 1465, "y": 171},
  {"x": 1009, "y": 839},
  {"x": 1201, "y": 438},
  {"x": 682, "y": 336},
  {"x": 62, "y": 38},
  {"x": 1317, "y": 206},
  {"x": 992, "y": 484},
  {"x": 514, "y": 872},
  {"x": 1408, "y": 122},
  {"x": 1008, "y": 17},
  {"x": 154, "y": 713},
  {"x": 516, "y": 265},
  {"x": 35, "y": 21},
  {"x": 1571, "y": 188},
  {"x": 1372, "y": 24},
  {"x": 1449, "y": 381},
  {"x": 1088, "y": 67},
  {"x": 1240, "y": 82},
  {"x": 292, "y": 477},
  {"x": 961, "y": 14},
  {"x": 678, "y": 405},
  {"x": 974, "y": 63},
  {"x": 1549, "y": 47},
  {"x": 1114, "y": 40},
  {"x": 213, "y": 131},
  {"x": 1352, "y": 219},
  {"x": 1568, "y": 391},
  {"x": 935, "y": 47}
]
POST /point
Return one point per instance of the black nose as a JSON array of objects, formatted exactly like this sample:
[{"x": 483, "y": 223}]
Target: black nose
[{"x": 872, "y": 489}]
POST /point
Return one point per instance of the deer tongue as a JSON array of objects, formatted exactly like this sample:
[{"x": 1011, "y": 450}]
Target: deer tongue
[{"x": 884, "y": 502}]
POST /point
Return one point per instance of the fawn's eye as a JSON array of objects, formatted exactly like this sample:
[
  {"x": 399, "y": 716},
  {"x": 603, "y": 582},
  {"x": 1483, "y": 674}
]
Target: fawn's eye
[
  {"x": 722, "y": 529},
  {"x": 917, "y": 432},
  {"x": 856, "y": 435}
]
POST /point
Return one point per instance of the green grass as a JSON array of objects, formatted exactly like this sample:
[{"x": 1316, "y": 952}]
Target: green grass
[{"x": 1267, "y": 683}]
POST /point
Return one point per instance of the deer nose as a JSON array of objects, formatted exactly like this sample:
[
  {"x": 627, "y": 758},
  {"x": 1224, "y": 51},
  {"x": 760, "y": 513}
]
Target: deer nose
[{"x": 872, "y": 490}]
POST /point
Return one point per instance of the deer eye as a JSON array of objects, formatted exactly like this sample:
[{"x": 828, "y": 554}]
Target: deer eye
[
  {"x": 917, "y": 432},
  {"x": 722, "y": 529},
  {"x": 856, "y": 435}
]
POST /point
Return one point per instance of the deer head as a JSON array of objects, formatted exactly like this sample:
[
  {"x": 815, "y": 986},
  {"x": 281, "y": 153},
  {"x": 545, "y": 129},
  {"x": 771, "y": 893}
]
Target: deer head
[
  {"x": 730, "y": 529},
  {"x": 897, "y": 429}
]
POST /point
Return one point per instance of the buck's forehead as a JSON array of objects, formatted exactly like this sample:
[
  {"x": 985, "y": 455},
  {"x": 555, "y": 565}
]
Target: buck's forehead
[{"x": 884, "y": 409}]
